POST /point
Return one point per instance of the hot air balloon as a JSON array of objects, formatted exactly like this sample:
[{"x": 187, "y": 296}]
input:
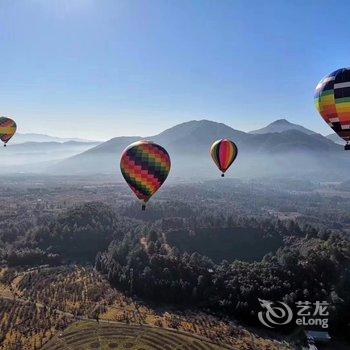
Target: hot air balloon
[
  {"x": 332, "y": 99},
  {"x": 145, "y": 166},
  {"x": 223, "y": 152},
  {"x": 7, "y": 129}
]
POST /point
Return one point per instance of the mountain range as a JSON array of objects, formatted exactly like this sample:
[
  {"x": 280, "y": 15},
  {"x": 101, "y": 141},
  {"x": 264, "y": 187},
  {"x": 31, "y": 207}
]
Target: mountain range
[{"x": 280, "y": 149}]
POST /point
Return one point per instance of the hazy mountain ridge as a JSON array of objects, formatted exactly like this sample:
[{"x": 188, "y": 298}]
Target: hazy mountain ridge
[
  {"x": 20, "y": 138},
  {"x": 287, "y": 153},
  {"x": 49, "y": 144},
  {"x": 37, "y": 156}
]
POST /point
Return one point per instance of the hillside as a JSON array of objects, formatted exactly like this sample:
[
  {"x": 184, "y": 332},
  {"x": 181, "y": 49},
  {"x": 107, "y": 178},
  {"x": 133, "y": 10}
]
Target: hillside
[
  {"x": 92, "y": 223},
  {"x": 335, "y": 138},
  {"x": 291, "y": 152}
]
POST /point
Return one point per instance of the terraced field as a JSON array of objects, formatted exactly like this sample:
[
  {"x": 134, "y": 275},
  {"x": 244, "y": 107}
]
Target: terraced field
[{"x": 114, "y": 336}]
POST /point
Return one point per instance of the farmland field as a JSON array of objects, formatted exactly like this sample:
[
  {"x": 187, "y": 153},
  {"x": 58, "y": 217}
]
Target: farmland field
[{"x": 103, "y": 336}]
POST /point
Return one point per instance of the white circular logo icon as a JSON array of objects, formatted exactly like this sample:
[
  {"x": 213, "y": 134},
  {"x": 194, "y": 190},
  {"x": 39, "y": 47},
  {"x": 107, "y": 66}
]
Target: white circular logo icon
[{"x": 275, "y": 313}]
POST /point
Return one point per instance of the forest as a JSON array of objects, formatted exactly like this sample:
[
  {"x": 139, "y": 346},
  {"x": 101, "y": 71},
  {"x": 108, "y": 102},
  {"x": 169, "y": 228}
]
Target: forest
[{"x": 310, "y": 266}]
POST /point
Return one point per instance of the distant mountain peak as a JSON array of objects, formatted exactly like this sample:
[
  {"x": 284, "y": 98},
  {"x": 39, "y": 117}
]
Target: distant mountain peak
[
  {"x": 196, "y": 124},
  {"x": 282, "y": 125},
  {"x": 282, "y": 121}
]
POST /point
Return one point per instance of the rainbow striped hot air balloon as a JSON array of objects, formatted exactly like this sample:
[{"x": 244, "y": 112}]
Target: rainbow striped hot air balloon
[
  {"x": 332, "y": 99},
  {"x": 7, "y": 129},
  {"x": 145, "y": 166},
  {"x": 223, "y": 152}
]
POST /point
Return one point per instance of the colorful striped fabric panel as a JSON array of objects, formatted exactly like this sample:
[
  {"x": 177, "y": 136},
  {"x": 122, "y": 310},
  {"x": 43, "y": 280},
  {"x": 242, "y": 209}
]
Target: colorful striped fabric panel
[{"x": 332, "y": 100}]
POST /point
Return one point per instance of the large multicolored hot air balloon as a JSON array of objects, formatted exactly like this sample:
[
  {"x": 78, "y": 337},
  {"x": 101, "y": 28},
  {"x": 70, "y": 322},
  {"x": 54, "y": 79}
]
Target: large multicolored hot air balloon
[
  {"x": 145, "y": 166},
  {"x": 223, "y": 152},
  {"x": 332, "y": 100},
  {"x": 7, "y": 129}
]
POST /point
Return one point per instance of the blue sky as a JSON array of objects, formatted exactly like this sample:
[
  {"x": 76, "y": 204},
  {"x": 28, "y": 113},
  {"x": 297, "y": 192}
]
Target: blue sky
[{"x": 103, "y": 68}]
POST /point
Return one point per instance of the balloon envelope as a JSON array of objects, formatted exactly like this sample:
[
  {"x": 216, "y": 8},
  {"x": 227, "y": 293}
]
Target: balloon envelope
[
  {"x": 223, "y": 152},
  {"x": 145, "y": 166},
  {"x": 332, "y": 99},
  {"x": 7, "y": 129}
]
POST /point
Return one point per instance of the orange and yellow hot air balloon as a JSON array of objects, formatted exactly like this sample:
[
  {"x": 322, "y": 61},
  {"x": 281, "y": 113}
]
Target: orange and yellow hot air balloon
[
  {"x": 145, "y": 166},
  {"x": 7, "y": 129},
  {"x": 224, "y": 153}
]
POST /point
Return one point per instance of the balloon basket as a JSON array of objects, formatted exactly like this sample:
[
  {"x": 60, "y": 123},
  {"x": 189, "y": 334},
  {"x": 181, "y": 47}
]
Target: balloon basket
[
  {"x": 222, "y": 175},
  {"x": 4, "y": 144},
  {"x": 347, "y": 147},
  {"x": 143, "y": 207}
]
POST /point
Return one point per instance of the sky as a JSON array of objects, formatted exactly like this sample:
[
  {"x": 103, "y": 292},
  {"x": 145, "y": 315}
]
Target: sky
[{"x": 97, "y": 69}]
